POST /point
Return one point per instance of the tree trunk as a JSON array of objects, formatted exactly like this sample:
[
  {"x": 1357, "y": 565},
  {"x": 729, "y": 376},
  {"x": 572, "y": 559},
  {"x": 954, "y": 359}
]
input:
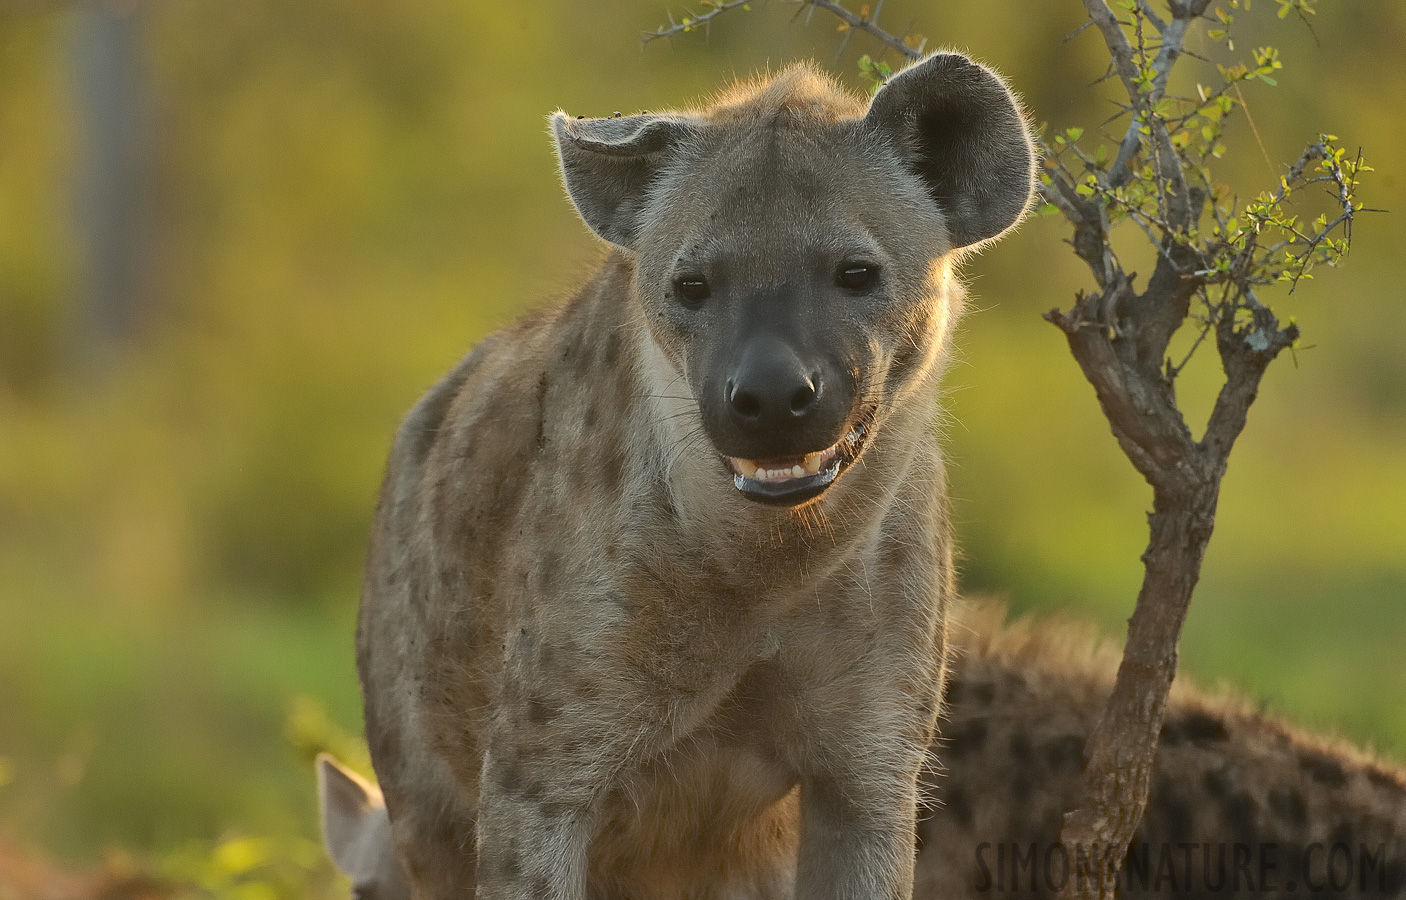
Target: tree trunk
[{"x": 1122, "y": 750}]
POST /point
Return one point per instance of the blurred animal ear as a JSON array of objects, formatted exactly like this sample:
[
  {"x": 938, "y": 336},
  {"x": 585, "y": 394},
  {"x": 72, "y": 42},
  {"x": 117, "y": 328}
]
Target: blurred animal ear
[
  {"x": 609, "y": 165},
  {"x": 958, "y": 128},
  {"x": 347, "y": 801}
]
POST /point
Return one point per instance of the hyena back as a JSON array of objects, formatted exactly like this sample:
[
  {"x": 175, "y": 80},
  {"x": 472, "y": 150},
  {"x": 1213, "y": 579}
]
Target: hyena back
[
  {"x": 654, "y": 601},
  {"x": 1233, "y": 788}
]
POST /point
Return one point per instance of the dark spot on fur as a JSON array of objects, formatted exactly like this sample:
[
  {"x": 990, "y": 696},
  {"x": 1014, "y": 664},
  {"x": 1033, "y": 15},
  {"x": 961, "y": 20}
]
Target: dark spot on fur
[
  {"x": 1204, "y": 729},
  {"x": 450, "y": 832},
  {"x": 541, "y": 710},
  {"x": 541, "y": 410},
  {"x": 1392, "y": 881},
  {"x": 953, "y": 693},
  {"x": 510, "y": 777},
  {"x": 547, "y": 657},
  {"x": 1386, "y": 782},
  {"x": 1021, "y": 789},
  {"x": 1171, "y": 735},
  {"x": 982, "y": 694},
  {"x": 969, "y": 738},
  {"x": 1065, "y": 754},
  {"x": 1288, "y": 804},
  {"x": 1177, "y": 820},
  {"x": 958, "y": 807},
  {"x": 1216, "y": 782},
  {"x": 610, "y": 351},
  {"x": 1020, "y": 748},
  {"x": 508, "y": 868},
  {"x": 1237, "y": 806},
  {"x": 1323, "y": 770},
  {"x": 612, "y": 468},
  {"x": 547, "y": 569},
  {"x": 1239, "y": 810},
  {"x": 557, "y": 810}
]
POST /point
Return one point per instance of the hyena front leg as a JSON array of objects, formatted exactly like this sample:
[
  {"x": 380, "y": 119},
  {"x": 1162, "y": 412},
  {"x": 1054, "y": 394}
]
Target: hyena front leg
[
  {"x": 872, "y": 717},
  {"x": 533, "y": 830},
  {"x": 549, "y": 763},
  {"x": 857, "y": 828}
]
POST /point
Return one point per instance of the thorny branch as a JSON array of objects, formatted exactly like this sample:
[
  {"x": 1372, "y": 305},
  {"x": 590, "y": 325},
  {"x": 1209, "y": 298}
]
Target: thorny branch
[
  {"x": 694, "y": 22},
  {"x": 866, "y": 23},
  {"x": 1160, "y": 179}
]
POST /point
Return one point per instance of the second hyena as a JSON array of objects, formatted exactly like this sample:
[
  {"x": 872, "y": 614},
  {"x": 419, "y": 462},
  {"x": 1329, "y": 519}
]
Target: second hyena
[{"x": 654, "y": 602}]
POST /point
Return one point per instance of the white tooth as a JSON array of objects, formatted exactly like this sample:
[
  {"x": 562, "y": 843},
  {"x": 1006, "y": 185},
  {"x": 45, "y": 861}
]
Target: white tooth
[{"x": 797, "y": 471}]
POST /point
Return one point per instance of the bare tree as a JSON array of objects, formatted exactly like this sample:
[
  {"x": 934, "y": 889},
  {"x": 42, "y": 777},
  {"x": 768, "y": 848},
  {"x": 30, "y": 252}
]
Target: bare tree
[{"x": 1212, "y": 255}]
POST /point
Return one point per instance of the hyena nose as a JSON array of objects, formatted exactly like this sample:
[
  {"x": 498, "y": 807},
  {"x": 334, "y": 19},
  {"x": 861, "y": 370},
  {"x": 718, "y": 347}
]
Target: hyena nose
[{"x": 773, "y": 395}]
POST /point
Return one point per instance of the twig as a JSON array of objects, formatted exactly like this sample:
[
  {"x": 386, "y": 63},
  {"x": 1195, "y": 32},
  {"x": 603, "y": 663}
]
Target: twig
[
  {"x": 868, "y": 26},
  {"x": 853, "y": 22},
  {"x": 692, "y": 23}
]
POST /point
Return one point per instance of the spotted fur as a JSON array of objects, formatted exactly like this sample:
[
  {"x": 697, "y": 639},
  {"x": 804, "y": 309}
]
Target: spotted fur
[{"x": 1021, "y": 704}]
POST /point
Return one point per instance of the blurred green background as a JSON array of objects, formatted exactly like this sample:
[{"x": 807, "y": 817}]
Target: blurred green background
[{"x": 237, "y": 240}]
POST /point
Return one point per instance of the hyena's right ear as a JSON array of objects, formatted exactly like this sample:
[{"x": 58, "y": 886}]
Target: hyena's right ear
[
  {"x": 347, "y": 801},
  {"x": 609, "y": 165}
]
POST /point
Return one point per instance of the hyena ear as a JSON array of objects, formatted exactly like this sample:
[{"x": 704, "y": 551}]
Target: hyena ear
[
  {"x": 609, "y": 164},
  {"x": 347, "y": 802},
  {"x": 959, "y": 129}
]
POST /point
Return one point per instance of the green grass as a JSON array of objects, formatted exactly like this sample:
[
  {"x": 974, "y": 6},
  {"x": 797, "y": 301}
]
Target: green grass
[{"x": 147, "y": 731}]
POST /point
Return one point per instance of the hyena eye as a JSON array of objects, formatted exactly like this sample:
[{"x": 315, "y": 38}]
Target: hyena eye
[
  {"x": 692, "y": 289},
  {"x": 856, "y": 276}
]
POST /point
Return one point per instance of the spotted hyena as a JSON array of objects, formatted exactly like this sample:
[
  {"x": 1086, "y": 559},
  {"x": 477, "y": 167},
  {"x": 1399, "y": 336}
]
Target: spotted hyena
[
  {"x": 1021, "y": 700},
  {"x": 654, "y": 605}
]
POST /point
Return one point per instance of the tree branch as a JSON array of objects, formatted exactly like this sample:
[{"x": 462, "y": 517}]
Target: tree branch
[
  {"x": 868, "y": 26},
  {"x": 858, "y": 23},
  {"x": 692, "y": 23}
]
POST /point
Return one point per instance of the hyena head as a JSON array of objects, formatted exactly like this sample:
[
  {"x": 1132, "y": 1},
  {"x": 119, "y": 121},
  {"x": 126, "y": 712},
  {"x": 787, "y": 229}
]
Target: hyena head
[
  {"x": 793, "y": 249},
  {"x": 357, "y": 833}
]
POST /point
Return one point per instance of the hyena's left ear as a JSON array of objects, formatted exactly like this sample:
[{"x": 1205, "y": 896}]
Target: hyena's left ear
[
  {"x": 959, "y": 129},
  {"x": 610, "y": 164}
]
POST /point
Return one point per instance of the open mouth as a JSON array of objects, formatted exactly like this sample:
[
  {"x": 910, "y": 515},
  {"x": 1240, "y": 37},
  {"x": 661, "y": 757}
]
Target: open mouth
[{"x": 791, "y": 481}]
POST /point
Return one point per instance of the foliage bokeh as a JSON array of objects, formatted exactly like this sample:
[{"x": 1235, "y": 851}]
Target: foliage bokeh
[{"x": 347, "y": 195}]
